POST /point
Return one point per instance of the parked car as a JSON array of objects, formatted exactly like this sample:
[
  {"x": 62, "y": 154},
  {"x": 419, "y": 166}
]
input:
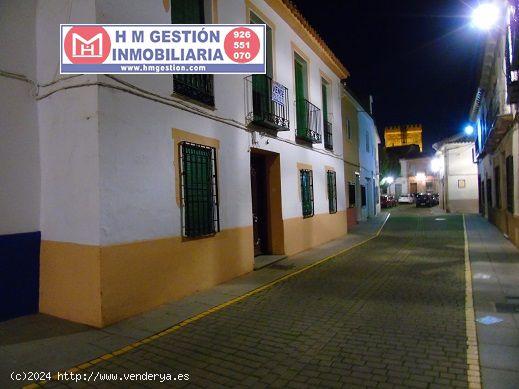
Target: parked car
[
  {"x": 387, "y": 201},
  {"x": 405, "y": 199},
  {"x": 436, "y": 199},
  {"x": 424, "y": 200}
]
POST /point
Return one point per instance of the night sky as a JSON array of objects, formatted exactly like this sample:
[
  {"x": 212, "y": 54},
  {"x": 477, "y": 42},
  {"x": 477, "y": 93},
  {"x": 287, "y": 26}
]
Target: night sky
[{"x": 420, "y": 59}]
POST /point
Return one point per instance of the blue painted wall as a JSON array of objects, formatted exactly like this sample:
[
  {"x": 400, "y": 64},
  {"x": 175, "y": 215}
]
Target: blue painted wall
[{"x": 19, "y": 274}]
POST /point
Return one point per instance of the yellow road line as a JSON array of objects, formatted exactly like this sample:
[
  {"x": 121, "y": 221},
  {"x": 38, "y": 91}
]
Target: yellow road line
[
  {"x": 199, "y": 316},
  {"x": 473, "y": 372}
]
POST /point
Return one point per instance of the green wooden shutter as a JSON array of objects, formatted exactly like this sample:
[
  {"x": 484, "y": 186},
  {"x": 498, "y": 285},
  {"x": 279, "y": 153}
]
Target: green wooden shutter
[
  {"x": 198, "y": 193},
  {"x": 307, "y": 196},
  {"x": 324, "y": 89},
  {"x": 187, "y": 12},
  {"x": 332, "y": 192},
  {"x": 261, "y": 85},
  {"x": 301, "y": 114}
]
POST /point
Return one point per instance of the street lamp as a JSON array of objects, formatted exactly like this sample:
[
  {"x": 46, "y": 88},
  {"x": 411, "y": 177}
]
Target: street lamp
[
  {"x": 469, "y": 129},
  {"x": 485, "y": 16},
  {"x": 435, "y": 165}
]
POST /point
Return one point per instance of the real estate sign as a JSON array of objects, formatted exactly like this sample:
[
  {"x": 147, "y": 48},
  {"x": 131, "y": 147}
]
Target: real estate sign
[{"x": 169, "y": 48}]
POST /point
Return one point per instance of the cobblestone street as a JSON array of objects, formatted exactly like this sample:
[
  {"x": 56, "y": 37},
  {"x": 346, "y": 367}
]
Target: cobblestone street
[{"x": 389, "y": 313}]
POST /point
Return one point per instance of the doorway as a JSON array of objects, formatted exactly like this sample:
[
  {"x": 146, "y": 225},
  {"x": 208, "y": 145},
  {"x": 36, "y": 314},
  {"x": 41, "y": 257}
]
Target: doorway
[{"x": 267, "y": 221}]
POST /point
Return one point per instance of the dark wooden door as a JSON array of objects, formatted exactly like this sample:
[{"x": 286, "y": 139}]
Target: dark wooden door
[{"x": 258, "y": 173}]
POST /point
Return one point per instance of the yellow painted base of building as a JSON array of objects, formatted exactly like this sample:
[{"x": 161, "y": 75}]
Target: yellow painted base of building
[
  {"x": 304, "y": 233},
  {"x": 100, "y": 285},
  {"x": 507, "y": 223}
]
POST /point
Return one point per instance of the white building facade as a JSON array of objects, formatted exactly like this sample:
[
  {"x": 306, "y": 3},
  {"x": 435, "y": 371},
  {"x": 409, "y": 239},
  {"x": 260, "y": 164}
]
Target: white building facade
[
  {"x": 458, "y": 174},
  {"x": 148, "y": 188},
  {"x": 494, "y": 114}
]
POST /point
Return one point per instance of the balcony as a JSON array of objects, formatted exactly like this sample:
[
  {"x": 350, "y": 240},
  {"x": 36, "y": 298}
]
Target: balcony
[
  {"x": 328, "y": 135},
  {"x": 197, "y": 87},
  {"x": 308, "y": 121},
  {"x": 266, "y": 103}
]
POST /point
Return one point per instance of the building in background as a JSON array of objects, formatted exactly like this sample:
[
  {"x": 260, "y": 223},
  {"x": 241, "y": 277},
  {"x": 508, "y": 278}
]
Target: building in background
[
  {"x": 351, "y": 109},
  {"x": 369, "y": 177},
  {"x": 416, "y": 176},
  {"x": 410, "y": 134},
  {"x": 149, "y": 188},
  {"x": 457, "y": 174},
  {"x": 493, "y": 113}
]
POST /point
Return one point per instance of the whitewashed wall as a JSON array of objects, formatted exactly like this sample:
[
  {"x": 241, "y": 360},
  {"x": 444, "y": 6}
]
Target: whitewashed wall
[
  {"x": 461, "y": 167},
  {"x": 19, "y": 154}
]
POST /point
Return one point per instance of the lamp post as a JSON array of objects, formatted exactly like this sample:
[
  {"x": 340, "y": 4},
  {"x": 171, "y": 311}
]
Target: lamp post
[{"x": 485, "y": 16}]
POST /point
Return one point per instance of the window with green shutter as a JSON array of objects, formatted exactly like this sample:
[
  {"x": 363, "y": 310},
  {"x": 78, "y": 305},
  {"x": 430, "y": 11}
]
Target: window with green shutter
[
  {"x": 199, "y": 192},
  {"x": 307, "y": 192},
  {"x": 332, "y": 191},
  {"x": 198, "y": 87}
]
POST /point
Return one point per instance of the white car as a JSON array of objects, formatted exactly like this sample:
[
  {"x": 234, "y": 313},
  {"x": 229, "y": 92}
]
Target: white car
[{"x": 405, "y": 199}]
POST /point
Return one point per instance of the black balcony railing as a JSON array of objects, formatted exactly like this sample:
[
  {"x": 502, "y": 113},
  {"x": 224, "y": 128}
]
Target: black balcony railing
[
  {"x": 198, "y": 87},
  {"x": 266, "y": 103},
  {"x": 308, "y": 121},
  {"x": 328, "y": 135}
]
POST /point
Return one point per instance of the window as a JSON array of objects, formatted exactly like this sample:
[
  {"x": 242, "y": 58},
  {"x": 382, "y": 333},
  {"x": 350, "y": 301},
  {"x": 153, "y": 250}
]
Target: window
[
  {"x": 327, "y": 126},
  {"x": 351, "y": 195},
  {"x": 461, "y": 184},
  {"x": 510, "y": 184},
  {"x": 497, "y": 187},
  {"x": 428, "y": 186},
  {"x": 255, "y": 19},
  {"x": 198, "y": 87},
  {"x": 348, "y": 128},
  {"x": 363, "y": 195},
  {"x": 367, "y": 142},
  {"x": 332, "y": 191},
  {"x": 199, "y": 192},
  {"x": 307, "y": 192}
]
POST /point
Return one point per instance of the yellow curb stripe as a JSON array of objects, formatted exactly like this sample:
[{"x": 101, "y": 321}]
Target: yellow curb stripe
[
  {"x": 473, "y": 372},
  {"x": 216, "y": 308}
]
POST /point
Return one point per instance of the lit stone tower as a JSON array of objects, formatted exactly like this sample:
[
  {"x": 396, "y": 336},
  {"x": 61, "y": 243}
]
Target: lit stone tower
[{"x": 410, "y": 134}]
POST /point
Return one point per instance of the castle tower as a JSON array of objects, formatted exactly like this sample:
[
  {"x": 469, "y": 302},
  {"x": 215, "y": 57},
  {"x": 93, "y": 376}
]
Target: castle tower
[{"x": 410, "y": 134}]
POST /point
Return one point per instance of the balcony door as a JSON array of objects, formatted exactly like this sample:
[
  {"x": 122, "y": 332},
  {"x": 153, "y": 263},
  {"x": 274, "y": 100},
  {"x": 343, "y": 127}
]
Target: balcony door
[
  {"x": 301, "y": 93},
  {"x": 262, "y": 84}
]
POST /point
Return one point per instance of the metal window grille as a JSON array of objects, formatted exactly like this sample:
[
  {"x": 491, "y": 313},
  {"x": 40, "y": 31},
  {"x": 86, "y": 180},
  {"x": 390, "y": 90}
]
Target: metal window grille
[
  {"x": 510, "y": 183},
  {"x": 332, "y": 191},
  {"x": 199, "y": 190},
  {"x": 352, "y": 195},
  {"x": 198, "y": 87},
  {"x": 307, "y": 192}
]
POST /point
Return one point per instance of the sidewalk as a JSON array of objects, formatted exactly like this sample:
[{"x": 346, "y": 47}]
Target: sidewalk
[
  {"x": 495, "y": 282},
  {"x": 47, "y": 344}
]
